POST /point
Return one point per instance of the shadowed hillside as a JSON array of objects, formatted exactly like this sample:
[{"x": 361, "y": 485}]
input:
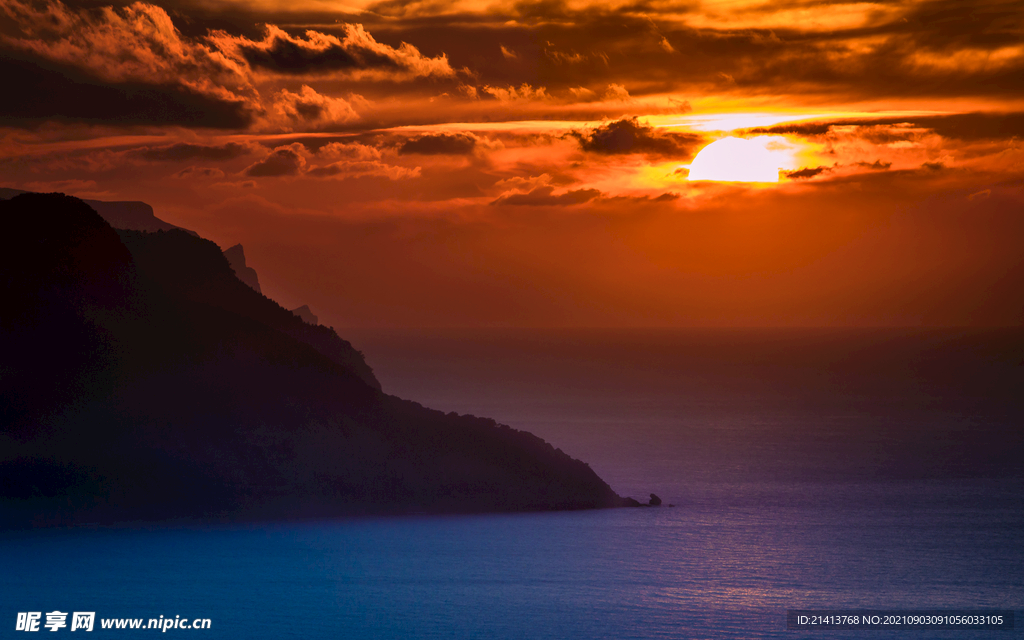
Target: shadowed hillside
[{"x": 140, "y": 379}]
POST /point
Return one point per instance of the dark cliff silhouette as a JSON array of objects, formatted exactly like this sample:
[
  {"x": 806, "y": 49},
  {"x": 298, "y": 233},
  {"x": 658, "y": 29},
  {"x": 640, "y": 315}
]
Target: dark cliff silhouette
[
  {"x": 141, "y": 379},
  {"x": 236, "y": 258}
]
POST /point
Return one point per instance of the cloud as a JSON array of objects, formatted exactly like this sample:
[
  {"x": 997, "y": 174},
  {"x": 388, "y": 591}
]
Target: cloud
[
  {"x": 877, "y": 165},
  {"x": 561, "y": 57},
  {"x": 186, "y": 151},
  {"x": 635, "y": 200},
  {"x": 510, "y": 94},
  {"x": 132, "y": 65},
  {"x": 976, "y": 126},
  {"x": 352, "y": 160},
  {"x": 348, "y": 151},
  {"x": 134, "y": 44},
  {"x": 616, "y": 92},
  {"x": 246, "y": 184},
  {"x": 440, "y": 144},
  {"x": 171, "y": 70},
  {"x": 894, "y": 132},
  {"x": 545, "y": 196},
  {"x": 880, "y": 49},
  {"x": 307, "y": 107},
  {"x": 282, "y": 161},
  {"x": 958, "y": 126},
  {"x": 361, "y": 169},
  {"x": 356, "y": 53},
  {"x": 40, "y": 91},
  {"x": 628, "y": 135},
  {"x": 583, "y": 94},
  {"x": 680, "y": 106},
  {"x": 519, "y": 184},
  {"x": 800, "y": 128},
  {"x": 806, "y": 172},
  {"x": 200, "y": 172}
]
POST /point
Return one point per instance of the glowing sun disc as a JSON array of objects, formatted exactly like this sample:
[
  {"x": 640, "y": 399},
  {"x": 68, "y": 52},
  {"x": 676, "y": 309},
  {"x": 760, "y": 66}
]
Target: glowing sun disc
[{"x": 734, "y": 160}]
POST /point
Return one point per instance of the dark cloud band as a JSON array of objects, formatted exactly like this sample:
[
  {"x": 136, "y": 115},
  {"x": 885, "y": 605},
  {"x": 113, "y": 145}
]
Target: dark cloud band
[
  {"x": 37, "y": 91},
  {"x": 630, "y": 136},
  {"x": 440, "y": 144},
  {"x": 185, "y": 151}
]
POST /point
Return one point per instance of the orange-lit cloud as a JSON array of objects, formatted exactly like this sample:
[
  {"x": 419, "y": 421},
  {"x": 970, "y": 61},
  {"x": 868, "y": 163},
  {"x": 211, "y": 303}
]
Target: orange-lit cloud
[
  {"x": 137, "y": 43},
  {"x": 306, "y": 109}
]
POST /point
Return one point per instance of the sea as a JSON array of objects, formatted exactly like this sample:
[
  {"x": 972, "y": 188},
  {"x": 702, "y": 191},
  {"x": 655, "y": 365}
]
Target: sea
[{"x": 798, "y": 469}]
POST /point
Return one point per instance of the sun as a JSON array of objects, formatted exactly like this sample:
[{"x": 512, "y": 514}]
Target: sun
[{"x": 734, "y": 160}]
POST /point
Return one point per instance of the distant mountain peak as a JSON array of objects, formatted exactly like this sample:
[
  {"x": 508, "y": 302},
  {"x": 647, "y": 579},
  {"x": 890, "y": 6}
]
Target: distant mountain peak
[
  {"x": 245, "y": 273},
  {"x": 124, "y": 214},
  {"x": 306, "y": 314},
  {"x": 133, "y": 215}
]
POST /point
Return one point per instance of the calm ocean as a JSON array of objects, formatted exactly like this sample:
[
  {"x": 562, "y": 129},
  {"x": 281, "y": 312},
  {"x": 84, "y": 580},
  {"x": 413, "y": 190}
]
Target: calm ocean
[{"x": 808, "y": 469}]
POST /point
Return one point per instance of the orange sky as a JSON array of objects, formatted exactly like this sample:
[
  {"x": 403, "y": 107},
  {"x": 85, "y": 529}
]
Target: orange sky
[{"x": 436, "y": 164}]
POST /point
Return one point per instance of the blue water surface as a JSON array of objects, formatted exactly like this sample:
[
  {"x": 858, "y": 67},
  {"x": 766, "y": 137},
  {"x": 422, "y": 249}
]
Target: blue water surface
[{"x": 727, "y": 564}]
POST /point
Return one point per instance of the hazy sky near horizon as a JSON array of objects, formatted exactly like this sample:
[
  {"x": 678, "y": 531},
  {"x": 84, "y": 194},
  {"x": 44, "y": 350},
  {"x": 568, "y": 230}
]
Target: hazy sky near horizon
[{"x": 431, "y": 163}]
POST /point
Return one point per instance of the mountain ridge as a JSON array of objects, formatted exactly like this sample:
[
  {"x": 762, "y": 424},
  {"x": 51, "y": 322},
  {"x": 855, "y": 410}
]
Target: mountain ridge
[
  {"x": 120, "y": 214},
  {"x": 142, "y": 380}
]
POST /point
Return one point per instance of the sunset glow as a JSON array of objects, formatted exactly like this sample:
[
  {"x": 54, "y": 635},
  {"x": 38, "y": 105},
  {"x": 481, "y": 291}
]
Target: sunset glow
[
  {"x": 529, "y": 164},
  {"x": 541, "y": 319}
]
